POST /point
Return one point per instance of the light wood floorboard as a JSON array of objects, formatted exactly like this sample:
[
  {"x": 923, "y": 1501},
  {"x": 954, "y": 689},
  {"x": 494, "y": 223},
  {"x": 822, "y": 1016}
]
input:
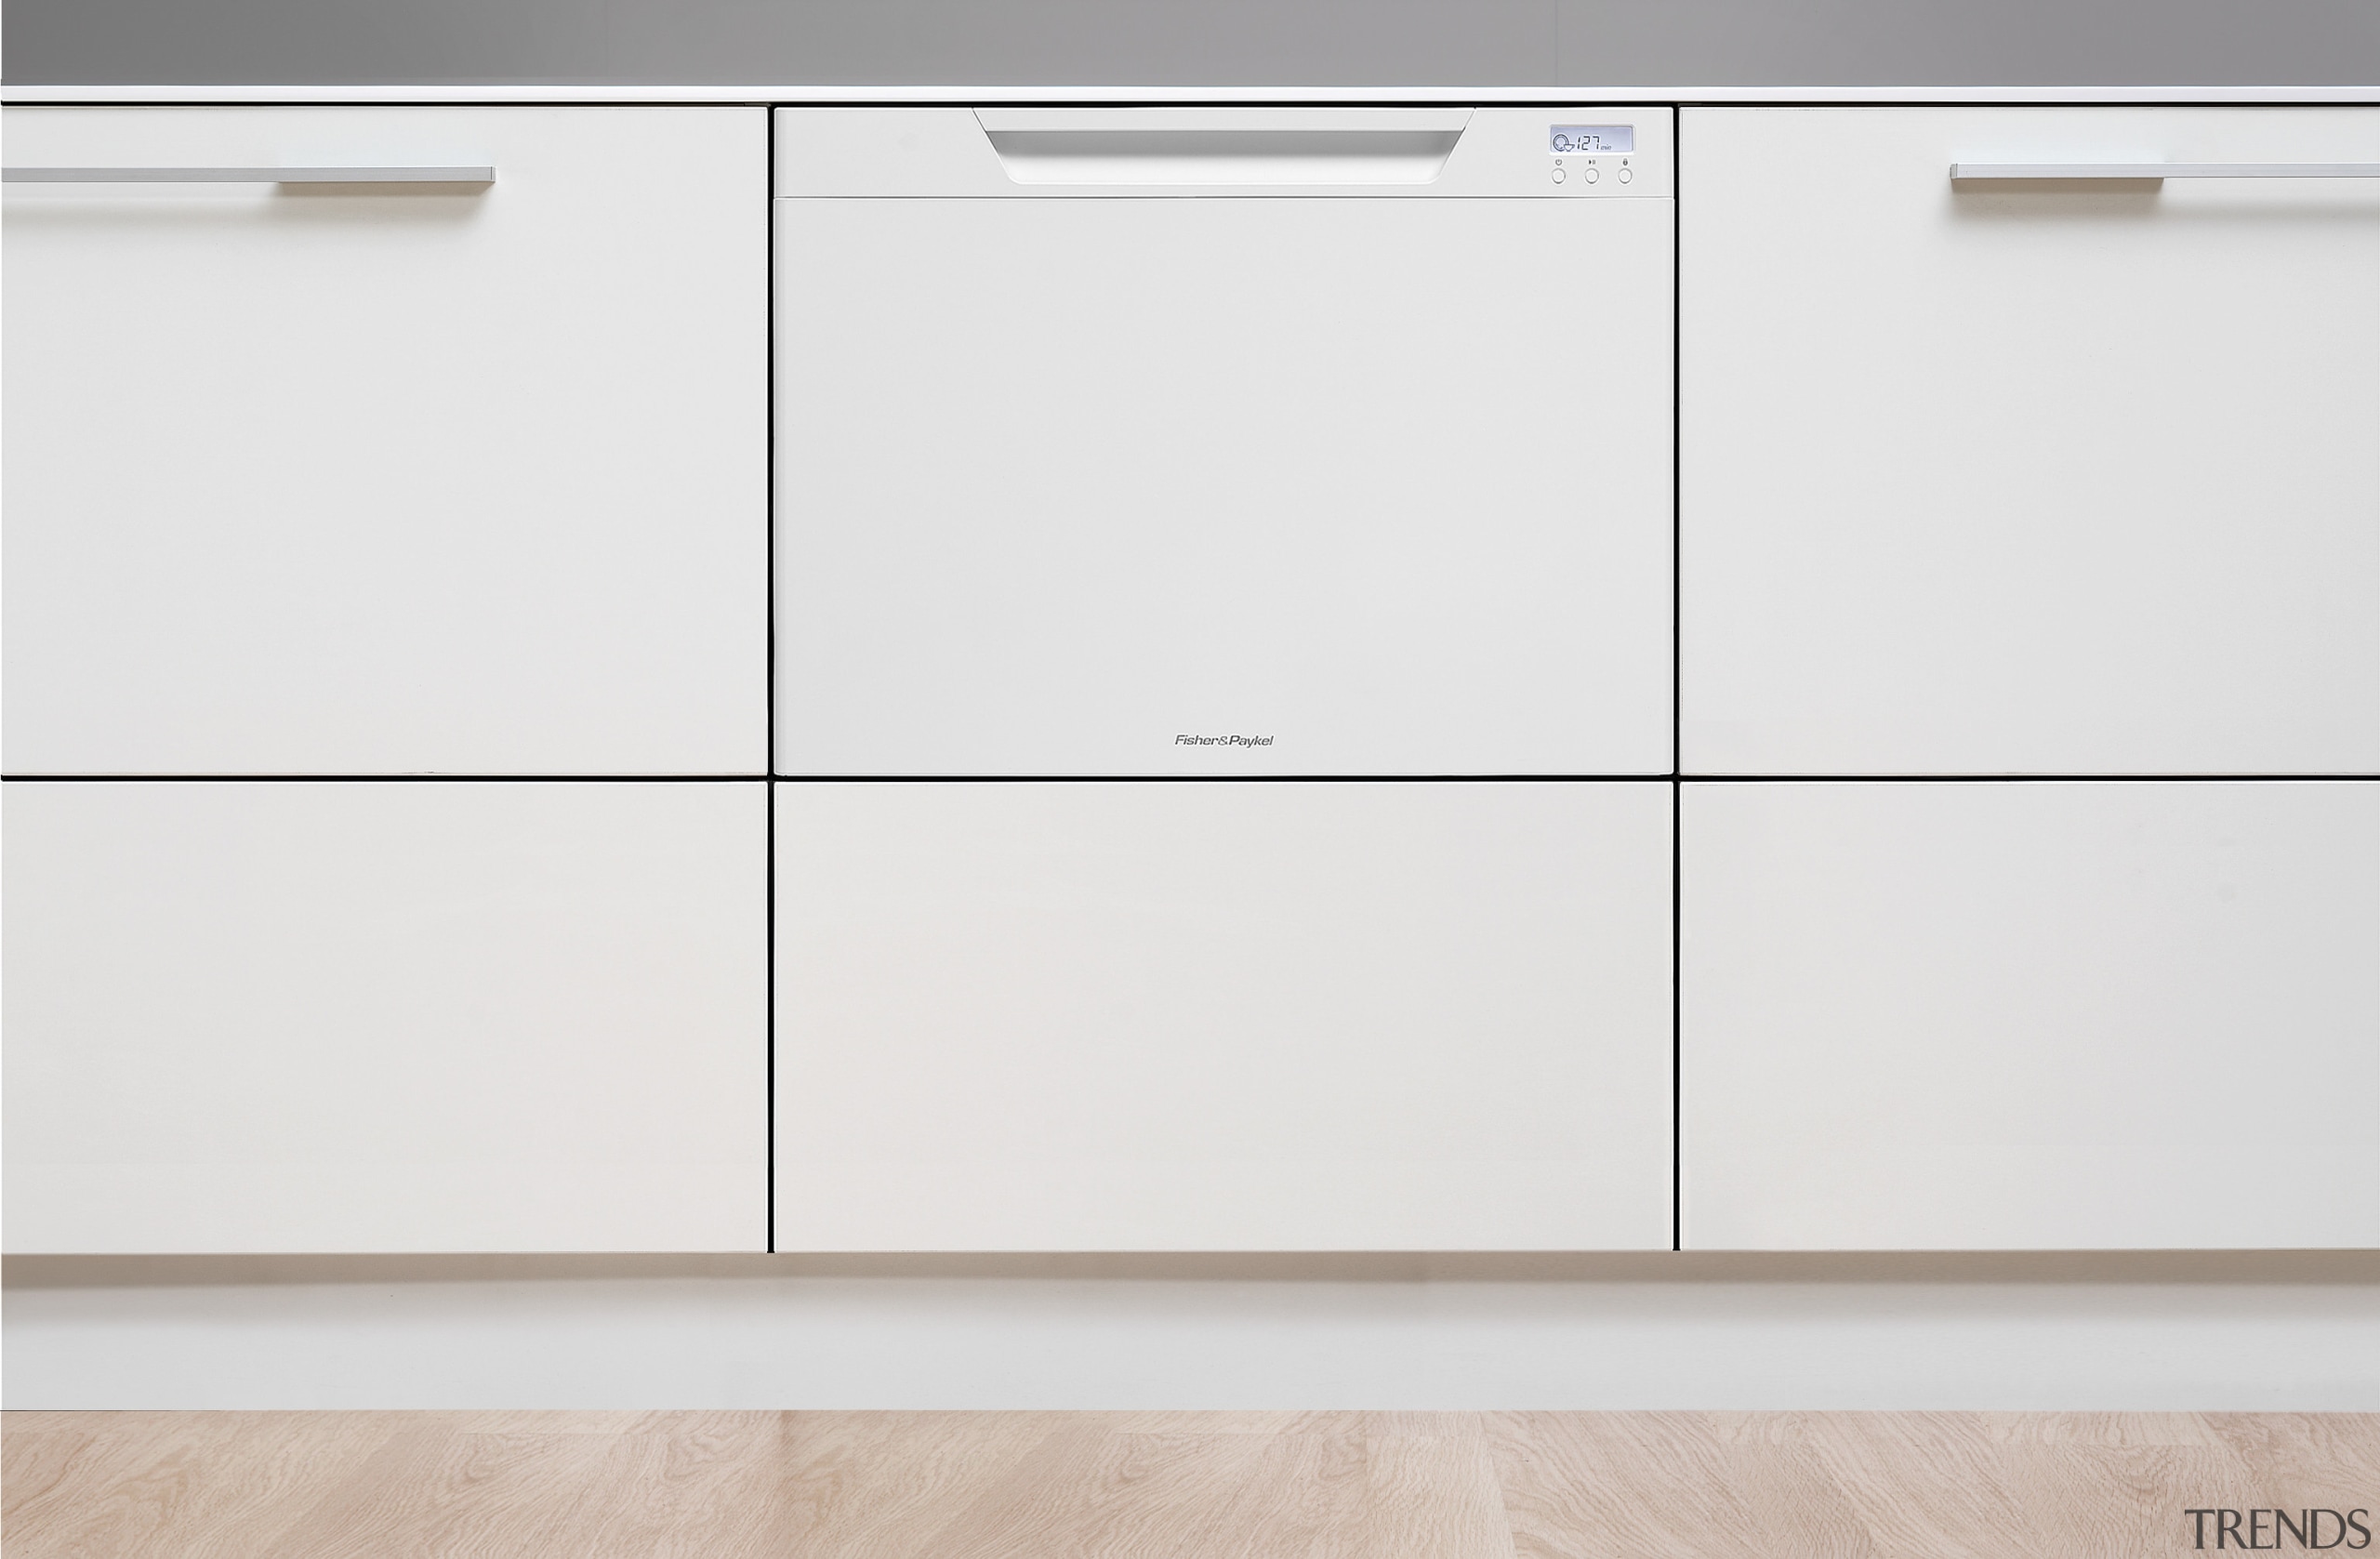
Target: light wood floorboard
[{"x": 1161, "y": 1486}]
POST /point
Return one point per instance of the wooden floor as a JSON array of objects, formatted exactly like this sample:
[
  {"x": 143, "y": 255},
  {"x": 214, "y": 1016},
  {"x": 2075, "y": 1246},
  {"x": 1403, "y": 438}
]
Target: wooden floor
[{"x": 1329, "y": 1485}]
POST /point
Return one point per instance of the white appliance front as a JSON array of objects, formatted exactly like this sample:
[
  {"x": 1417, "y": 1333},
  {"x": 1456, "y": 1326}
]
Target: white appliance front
[{"x": 1224, "y": 442}]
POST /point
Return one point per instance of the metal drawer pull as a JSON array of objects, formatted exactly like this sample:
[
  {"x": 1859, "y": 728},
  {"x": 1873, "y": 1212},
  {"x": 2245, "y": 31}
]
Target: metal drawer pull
[
  {"x": 1963, "y": 171},
  {"x": 251, "y": 176}
]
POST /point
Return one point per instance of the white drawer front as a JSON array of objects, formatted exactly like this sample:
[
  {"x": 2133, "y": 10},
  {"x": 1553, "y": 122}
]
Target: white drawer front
[
  {"x": 389, "y": 479},
  {"x": 2055, "y": 477},
  {"x": 1222, "y": 1016},
  {"x": 1090, "y": 486},
  {"x": 401, "y": 1016},
  {"x": 2031, "y": 1015}
]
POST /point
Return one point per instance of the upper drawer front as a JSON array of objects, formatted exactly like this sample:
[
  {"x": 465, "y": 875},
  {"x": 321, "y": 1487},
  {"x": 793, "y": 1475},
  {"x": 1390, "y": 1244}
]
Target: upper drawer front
[
  {"x": 2066, "y": 475},
  {"x": 380, "y": 478}
]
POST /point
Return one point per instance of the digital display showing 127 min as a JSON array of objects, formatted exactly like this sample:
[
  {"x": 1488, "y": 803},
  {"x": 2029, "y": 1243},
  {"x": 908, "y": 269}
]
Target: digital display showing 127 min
[{"x": 1590, "y": 141}]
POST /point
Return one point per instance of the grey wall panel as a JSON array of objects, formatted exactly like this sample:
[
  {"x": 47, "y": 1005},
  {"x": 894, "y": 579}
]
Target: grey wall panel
[
  {"x": 1386, "y": 43},
  {"x": 1154, "y": 42},
  {"x": 1961, "y": 43}
]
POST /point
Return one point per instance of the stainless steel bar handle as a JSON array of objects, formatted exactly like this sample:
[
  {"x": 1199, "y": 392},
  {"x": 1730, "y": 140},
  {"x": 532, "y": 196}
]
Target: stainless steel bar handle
[
  {"x": 481, "y": 175},
  {"x": 1963, "y": 171}
]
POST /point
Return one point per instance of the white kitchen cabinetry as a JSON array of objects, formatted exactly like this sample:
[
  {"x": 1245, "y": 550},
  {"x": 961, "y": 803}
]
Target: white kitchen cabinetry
[
  {"x": 320, "y": 1016},
  {"x": 388, "y": 478},
  {"x": 2044, "y": 475},
  {"x": 2030, "y": 1014},
  {"x": 1053, "y": 1016}
]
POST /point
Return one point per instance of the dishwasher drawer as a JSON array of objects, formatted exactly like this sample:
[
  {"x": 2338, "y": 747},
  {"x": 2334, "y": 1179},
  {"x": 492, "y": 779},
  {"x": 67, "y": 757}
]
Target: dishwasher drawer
[
  {"x": 388, "y": 478},
  {"x": 1220, "y": 442},
  {"x": 2031, "y": 475},
  {"x": 1216, "y": 1016}
]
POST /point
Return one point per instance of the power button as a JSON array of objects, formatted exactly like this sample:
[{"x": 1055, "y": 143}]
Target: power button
[{"x": 1558, "y": 176}]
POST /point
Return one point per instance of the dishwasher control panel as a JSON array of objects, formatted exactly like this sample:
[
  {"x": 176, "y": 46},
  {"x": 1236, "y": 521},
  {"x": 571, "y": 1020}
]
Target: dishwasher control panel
[{"x": 1585, "y": 155}]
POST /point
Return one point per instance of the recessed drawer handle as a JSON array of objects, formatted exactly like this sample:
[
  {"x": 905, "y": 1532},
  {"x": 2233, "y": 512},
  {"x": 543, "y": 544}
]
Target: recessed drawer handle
[
  {"x": 1127, "y": 147},
  {"x": 251, "y": 176},
  {"x": 1961, "y": 172}
]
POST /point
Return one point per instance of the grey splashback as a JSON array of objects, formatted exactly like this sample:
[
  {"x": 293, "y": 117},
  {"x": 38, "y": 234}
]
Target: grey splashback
[{"x": 1384, "y": 44}]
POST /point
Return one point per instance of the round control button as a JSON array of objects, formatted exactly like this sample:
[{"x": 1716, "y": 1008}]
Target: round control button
[
  {"x": 1593, "y": 173},
  {"x": 1625, "y": 176},
  {"x": 1558, "y": 176}
]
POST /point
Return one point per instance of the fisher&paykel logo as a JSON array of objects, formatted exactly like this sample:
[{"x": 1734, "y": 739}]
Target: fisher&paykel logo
[
  {"x": 2263, "y": 1528},
  {"x": 1222, "y": 740}
]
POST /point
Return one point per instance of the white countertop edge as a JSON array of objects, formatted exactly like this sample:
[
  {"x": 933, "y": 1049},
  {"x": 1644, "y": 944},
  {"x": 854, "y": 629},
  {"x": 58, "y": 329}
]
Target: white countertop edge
[{"x": 596, "y": 94}]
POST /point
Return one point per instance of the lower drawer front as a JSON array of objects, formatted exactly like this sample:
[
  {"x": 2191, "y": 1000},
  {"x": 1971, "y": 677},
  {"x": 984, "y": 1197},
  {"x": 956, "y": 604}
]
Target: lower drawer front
[
  {"x": 2013, "y": 1015},
  {"x": 386, "y": 1016},
  {"x": 1190, "y": 1015}
]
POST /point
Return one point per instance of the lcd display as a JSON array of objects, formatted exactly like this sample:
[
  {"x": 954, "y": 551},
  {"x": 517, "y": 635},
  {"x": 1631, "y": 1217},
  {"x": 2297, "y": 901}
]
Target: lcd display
[{"x": 1590, "y": 141}]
